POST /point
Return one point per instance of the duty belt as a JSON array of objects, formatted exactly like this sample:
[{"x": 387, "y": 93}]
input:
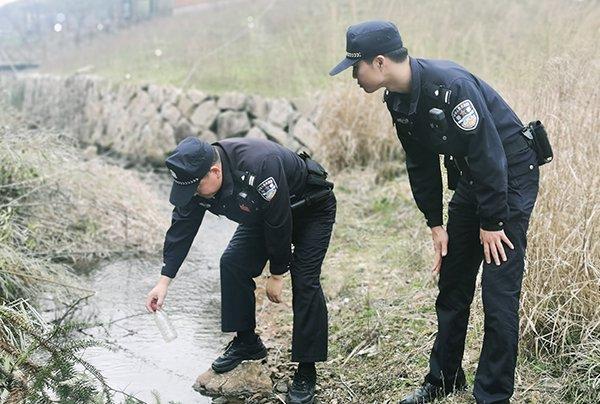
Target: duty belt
[
  {"x": 517, "y": 144},
  {"x": 317, "y": 178}
]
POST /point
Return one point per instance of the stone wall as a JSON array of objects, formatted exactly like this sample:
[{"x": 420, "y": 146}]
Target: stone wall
[{"x": 145, "y": 122}]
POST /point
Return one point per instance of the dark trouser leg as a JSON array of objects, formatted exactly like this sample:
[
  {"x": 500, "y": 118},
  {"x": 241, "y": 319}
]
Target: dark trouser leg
[
  {"x": 243, "y": 259},
  {"x": 456, "y": 288},
  {"x": 312, "y": 232},
  {"x": 501, "y": 290}
]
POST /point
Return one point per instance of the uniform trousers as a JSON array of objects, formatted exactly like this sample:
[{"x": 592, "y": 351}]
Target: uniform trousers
[
  {"x": 246, "y": 256},
  {"x": 501, "y": 288}
]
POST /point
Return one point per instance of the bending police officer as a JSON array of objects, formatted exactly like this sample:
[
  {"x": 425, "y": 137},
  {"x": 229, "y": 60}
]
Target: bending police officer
[
  {"x": 439, "y": 108},
  {"x": 255, "y": 182}
]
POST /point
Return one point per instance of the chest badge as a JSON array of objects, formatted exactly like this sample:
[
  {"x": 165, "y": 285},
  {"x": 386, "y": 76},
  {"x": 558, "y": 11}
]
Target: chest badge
[
  {"x": 244, "y": 208},
  {"x": 403, "y": 121},
  {"x": 465, "y": 115}
]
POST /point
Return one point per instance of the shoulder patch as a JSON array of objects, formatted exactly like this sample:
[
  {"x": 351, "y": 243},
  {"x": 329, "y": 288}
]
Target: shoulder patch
[
  {"x": 465, "y": 115},
  {"x": 267, "y": 189}
]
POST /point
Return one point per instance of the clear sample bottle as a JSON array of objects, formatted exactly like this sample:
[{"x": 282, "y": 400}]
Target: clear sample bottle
[{"x": 164, "y": 325}]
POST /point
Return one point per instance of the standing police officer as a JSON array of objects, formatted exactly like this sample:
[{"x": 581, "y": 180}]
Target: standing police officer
[
  {"x": 439, "y": 108},
  {"x": 256, "y": 183}
]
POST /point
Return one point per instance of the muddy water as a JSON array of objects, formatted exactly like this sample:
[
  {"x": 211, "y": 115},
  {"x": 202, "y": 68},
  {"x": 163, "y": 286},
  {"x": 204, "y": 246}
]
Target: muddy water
[{"x": 143, "y": 364}]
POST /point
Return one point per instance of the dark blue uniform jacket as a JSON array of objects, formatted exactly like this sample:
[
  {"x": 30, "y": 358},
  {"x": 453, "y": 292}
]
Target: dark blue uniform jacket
[
  {"x": 478, "y": 122},
  {"x": 272, "y": 176}
]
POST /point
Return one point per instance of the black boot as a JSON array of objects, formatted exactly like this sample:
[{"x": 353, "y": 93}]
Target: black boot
[
  {"x": 427, "y": 393},
  {"x": 302, "y": 390},
  {"x": 238, "y": 351}
]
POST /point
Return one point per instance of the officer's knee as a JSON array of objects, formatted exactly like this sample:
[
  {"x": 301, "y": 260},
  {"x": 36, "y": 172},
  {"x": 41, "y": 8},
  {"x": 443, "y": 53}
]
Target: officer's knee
[{"x": 306, "y": 283}]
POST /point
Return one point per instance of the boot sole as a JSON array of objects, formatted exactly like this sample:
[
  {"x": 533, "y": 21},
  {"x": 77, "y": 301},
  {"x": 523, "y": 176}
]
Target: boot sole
[
  {"x": 288, "y": 401},
  {"x": 257, "y": 356}
]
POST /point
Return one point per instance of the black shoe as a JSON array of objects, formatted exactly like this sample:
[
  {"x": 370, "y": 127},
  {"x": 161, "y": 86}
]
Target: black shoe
[
  {"x": 302, "y": 390},
  {"x": 238, "y": 351},
  {"x": 427, "y": 393}
]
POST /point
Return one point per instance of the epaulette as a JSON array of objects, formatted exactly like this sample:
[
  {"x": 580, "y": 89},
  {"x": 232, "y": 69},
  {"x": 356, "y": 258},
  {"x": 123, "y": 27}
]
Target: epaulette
[{"x": 440, "y": 93}]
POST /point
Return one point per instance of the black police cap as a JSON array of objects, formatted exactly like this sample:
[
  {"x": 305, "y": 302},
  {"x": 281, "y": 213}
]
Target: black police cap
[
  {"x": 366, "y": 40},
  {"x": 188, "y": 164}
]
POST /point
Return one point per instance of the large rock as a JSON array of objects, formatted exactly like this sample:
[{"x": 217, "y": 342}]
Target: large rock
[
  {"x": 171, "y": 113},
  {"x": 293, "y": 118},
  {"x": 296, "y": 146},
  {"x": 156, "y": 93},
  {"x": 125, "y": 116},
  {"x": 162, "y": 94},
  {"x": 208, "y": 136},
  {"x": 188, "y": 101},
  {"x": 140, "y": 110},
  {"x": 168, "y": 134},
  {"x": 171, "y": 94},
  {"x": 204, "y": 116},
  {"x": 141, "y": 103},
  {"x": 256, "y": 133},
  {"x": 196, "y": 96},
  {"x": 246, "y": 380},
  {"x": 307, "y": 133},
  {"x": 273, "y": 132},
  {"x": 184, "y": 129},
  {"x": 234, "y": 101},
  {"x": 185, "y": 106},
  {"x": 257, "y": 107},
  {"x": 280, "y": 111},
  {"x": 231, "y": 124},
  {"x": 155, "y": 141}
]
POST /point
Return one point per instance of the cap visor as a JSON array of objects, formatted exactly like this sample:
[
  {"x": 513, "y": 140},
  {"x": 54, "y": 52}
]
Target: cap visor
[
  {"x": 343, "y": 65},
  {"x": 181, "y": 195}
]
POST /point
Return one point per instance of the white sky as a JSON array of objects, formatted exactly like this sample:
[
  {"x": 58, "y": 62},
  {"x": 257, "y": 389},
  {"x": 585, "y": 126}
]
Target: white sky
[{"x": 3, "y": 2}]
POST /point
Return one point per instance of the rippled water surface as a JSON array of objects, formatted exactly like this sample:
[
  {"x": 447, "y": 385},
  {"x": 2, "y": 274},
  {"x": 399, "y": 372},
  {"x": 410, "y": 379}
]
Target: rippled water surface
[{"x": 143, "y": 362}]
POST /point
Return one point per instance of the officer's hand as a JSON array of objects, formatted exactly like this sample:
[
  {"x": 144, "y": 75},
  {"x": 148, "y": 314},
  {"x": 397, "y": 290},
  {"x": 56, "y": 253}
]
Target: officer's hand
[
  {"x": 492, "y": 245},
  {"x": 274, "y": 287},
  {"x": 440, "y": 246},
  {"x": 156, "y": 297}
]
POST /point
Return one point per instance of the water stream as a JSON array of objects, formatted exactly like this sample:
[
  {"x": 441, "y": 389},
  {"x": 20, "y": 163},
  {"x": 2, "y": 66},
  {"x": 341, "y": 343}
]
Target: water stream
[{"x": 143, "y": 363}]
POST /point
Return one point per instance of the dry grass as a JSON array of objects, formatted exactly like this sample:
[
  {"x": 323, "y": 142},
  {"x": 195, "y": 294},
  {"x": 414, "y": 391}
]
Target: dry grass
[
  {"x": 561, "y": 314},
  {"x": 355, "y": 130},
  {"x": 73, "y": 207},
  {"x": 59, "y": 208},
  {"x": 382, "y": 317}
]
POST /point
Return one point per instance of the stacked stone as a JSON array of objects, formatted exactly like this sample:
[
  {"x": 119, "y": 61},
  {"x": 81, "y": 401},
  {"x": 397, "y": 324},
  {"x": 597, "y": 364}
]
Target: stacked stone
[{"x": 145, "y": 122}]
